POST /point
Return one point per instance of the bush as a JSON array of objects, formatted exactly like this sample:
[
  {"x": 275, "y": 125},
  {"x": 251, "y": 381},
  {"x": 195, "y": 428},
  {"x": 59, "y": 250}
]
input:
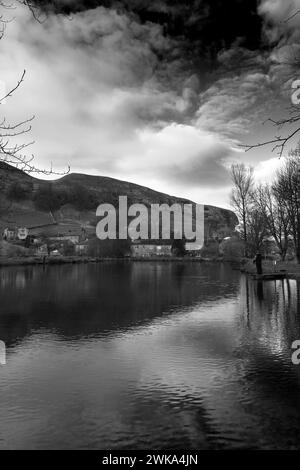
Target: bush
[
  {"x": 232, "y": 249},
  {"x": 48, "y": 198},
  {"x": 83, "y": 199},
  {"x": 210, "y": 250},
  {"x": 109, "y": 248},
  {"x": 178, "y": 247},
  {"x": 18, "y": 192},
  {"x": 69, "y": 249}
]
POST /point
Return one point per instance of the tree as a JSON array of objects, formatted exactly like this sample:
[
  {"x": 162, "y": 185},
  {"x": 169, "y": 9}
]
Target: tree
[
  {"x": 287, "y": 127},
  {"x": 109, "y": 248},
  {"x": 178, "y": 247},
  {"x": 19, "y": 192},
  {"x": 257, "y": 230},
  {"x": 242, "y": 195},
  {"x": 287, "y": 190},
  {"x": 10, "y": 151},
  {"x": 48, "y": 198},
  {"x": 82, "y": 198},
  {"x": 275, "y": 216}
]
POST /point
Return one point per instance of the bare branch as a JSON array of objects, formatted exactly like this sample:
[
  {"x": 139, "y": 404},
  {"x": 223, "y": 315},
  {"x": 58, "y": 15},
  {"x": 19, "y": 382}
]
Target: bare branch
[
  {"x": 280, "y": 143},
  {"x": 291, "y": 17},
  {"x": 9, "y": 153},
  {"x": 9, "y": 94}
]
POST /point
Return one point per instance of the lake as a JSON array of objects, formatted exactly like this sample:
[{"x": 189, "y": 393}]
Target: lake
[{"x": 154, "y": 355}]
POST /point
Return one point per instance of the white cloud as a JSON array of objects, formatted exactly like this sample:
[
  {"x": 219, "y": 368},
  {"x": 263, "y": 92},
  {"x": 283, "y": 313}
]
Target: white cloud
[
  {"x": 100, "y": 104},
  {"x": 266, "y": 170},
  {"x": 106, "y": 104}
]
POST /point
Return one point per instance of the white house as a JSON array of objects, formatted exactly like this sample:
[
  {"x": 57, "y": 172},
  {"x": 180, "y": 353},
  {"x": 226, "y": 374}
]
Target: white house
[{"x": 22, "y": 233}]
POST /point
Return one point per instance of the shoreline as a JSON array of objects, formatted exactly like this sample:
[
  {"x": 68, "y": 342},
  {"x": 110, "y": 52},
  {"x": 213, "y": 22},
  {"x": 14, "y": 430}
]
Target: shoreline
[
  {"x": 38, "y": 261},
  {"x": 291, "y": 270}
]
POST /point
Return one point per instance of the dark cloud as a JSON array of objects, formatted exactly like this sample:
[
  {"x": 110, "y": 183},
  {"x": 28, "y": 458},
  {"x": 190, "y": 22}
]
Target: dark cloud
[
  {"x": 191, "y": 42},
  {"x": 157, "y": 92},
  {"x": 208, "y": 26}
]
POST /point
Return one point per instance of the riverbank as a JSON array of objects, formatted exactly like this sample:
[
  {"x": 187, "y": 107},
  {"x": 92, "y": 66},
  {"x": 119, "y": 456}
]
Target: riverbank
[
  {"x": 291, "y": 269},
  {"x": 55, "y": 260}
]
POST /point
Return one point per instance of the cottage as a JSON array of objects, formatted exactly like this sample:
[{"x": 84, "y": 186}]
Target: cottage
[
  {"x": 145, "y": 250},
  {"x": 31, "y": 223},
  {"x": 81, "y": 249},
  {"x": 9, "y": 234},
  {"x": 22, "y": 233},
  {"x": 42, "y": 250}
]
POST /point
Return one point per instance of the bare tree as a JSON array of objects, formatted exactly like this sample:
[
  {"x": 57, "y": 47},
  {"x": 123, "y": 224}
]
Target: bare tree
[
  {"x": 13, "y": 153},
  {"x": 287, "y": 127},
  {"x": 241, "y": 196},
  {"x": 287, "y": 189},
  {"x": 275, "y": 216},
  {"x": 290, "y": 125},
  {"x": 10, "y": 152},
  {"x": 257, "y": 229}
]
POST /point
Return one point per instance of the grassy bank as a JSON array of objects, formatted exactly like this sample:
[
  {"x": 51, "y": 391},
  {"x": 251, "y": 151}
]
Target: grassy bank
[
  {"x": 292, "y": 268},
  {"x": 27, "y": 261}
]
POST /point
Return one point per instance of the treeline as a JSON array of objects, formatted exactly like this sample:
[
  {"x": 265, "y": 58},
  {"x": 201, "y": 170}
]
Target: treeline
[
  {"x": 269, "y": 212},
  {"x": 51, "y": 198}
]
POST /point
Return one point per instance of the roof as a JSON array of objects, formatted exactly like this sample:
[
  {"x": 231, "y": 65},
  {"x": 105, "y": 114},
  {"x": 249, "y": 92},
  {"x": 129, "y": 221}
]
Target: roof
[
  {"x": 148, "y": 245},
  {"x": 150, "y": 241}
]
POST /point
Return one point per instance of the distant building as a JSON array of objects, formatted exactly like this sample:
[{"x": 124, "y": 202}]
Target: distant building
[
  {"x": 9, "y": 234},
  {"x": 22, "y": 233},
  {"x": 42, "y": 250},
  {"x": 64, "y": 238},
  {"x": 68, "y": 232},
  {"x": 81, "y": 249},
  {"x": 144, "y": 250},
  {"x": 27, "y": 224}
]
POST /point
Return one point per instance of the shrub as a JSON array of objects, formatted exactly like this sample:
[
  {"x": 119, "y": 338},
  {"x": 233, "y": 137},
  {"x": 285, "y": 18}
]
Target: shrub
[
  {"x": 232, "y": 249},
  {"x": 47, "y": 198},
  {"x": 109, "y": 248},
  {"x": 210, "y": 249},
  {"x": 178, "y": 247},
  {"x": 18, "y": 192},
  {"x": 82, "y": 198}
]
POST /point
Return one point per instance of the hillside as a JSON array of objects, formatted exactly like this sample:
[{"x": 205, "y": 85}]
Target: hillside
[{"x": 72, "y": 201}]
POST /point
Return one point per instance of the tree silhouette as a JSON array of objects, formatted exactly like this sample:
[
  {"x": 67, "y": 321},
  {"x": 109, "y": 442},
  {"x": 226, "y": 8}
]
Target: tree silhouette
[{"x": 10, "y": 152}]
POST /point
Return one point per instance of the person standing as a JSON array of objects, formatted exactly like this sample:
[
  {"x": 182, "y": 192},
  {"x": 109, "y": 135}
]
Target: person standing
[{"x": 258, "y": 262}]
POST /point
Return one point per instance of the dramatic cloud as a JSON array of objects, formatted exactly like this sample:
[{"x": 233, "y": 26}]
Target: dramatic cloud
[
  {"x": 207, "y": 26},
  {"x": 282, "y": 15},
  {"x": 160, "y": 93},
  {"x": 106, "y": 104}
]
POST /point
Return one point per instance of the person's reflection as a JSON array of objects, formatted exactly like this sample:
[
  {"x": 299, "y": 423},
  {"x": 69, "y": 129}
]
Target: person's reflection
[
  {"x": 298, "y": 296},
  {"x": 288, "y": 291},
  {"x": 248, "y": 302},
  {"x": 260, "y": 291}
]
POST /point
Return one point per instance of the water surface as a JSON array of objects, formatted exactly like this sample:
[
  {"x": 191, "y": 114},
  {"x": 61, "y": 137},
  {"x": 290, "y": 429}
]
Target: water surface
[{"x": 147, "y": 356}]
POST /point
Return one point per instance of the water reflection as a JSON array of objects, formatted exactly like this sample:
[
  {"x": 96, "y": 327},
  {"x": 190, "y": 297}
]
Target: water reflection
[
  {"x": 112, "y": 296},
  {"x": 148, "y": 355}
]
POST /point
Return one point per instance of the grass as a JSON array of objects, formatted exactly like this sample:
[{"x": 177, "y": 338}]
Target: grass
[{"x": 291, "y": 267}]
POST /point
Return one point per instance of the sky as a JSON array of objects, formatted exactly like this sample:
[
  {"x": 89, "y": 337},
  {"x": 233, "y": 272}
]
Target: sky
[{"x": 159, "y": 93}]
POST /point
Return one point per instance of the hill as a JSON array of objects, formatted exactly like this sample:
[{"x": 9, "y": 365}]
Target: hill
[{"x": 71, "y": 201}]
